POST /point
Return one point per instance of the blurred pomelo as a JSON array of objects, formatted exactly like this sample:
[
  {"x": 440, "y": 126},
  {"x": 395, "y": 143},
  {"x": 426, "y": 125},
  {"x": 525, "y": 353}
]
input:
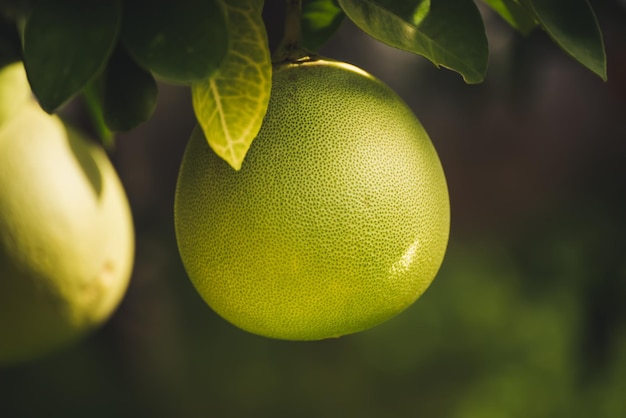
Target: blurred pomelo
[
  {"x": 66, "y": 233},
  {"x": 337, "y": 221}
]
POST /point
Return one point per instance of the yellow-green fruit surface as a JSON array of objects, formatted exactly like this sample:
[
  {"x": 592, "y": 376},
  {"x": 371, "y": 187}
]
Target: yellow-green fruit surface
[
  {"x": 66, "y": 233},
  {"x": 337, "y": 221}
]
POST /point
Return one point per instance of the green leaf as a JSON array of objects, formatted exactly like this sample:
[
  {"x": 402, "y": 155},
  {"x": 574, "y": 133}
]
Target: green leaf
[
  {"x": 573, "y": 26},
  {"x": 515, "y": 14},
  {"x": 231, "y": 104},
  {"x": 130, "y": 92},
  {"x": 181, "y": 41},
  {"x": 450, "y": 33},
  {"x": 10, "y": 48},
  {"x": 320, "y": 20},
  {"x": 66, "y": 44}
]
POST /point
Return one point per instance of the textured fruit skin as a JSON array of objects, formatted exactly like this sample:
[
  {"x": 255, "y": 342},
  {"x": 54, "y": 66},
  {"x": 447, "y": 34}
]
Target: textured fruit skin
[
  {"x": 66, "y": 234},
  {"x": 337, "y": 220}
]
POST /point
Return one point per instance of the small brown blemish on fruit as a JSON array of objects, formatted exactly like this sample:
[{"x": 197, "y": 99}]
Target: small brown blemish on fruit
[
  {"x": 108, "y": 269},
  {"x": 93, "y": 290}
]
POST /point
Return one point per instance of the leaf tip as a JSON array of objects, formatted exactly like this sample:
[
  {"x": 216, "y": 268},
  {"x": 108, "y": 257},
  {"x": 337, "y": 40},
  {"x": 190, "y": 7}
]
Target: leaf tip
[
  {"x": 236, "y": 165},
  {"x": 49, "y": 108}
]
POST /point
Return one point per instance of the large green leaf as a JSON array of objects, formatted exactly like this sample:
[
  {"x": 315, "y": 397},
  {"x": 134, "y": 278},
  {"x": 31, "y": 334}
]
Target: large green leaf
[
  {"x": 573, "y": 26},
  {"x": 181, "y": 41},
  {"x": 231, "y": 104},
  {"x": 450, "y": 33},
  {"x": 65, "y": 44},
  {"x": 130, "y": 92},
  {"x": 320, "y": 20},
  {"x": 515, "y": 14}
]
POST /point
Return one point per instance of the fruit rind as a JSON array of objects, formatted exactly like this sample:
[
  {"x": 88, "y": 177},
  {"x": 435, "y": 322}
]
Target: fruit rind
[
  {"x": 337, "y": 220},
  {"x": 66, "y": 235}
]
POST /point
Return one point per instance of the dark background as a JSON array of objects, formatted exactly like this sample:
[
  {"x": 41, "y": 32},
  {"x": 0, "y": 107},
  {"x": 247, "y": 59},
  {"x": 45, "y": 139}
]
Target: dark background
[{"x": 525, "y": 319}]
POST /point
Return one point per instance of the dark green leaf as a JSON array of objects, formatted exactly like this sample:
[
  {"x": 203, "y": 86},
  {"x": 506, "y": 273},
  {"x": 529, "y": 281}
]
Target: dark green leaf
[
  {"x": 573, "y": 26},
  {"x": 450, "y": 33},
  {"x": 520, "y": 18},
  {"x": 130, "y": 92},
  {"x": 65, "y": 44},
  {"x": 10, "y": 48},
  {"x": 320, "y": 20},
  {"x": 181, "y": 41}
]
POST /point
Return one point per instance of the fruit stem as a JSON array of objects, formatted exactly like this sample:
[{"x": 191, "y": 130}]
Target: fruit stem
[
  {"x": 293, "y": 28},
  {"x": 290, "y": 48},
  {"x": 92, "y": 103}
]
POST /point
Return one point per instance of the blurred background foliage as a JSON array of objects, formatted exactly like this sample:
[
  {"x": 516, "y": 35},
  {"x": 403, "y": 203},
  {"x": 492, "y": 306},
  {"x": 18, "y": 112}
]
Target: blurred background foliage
[{"x": 525, "y": 319}]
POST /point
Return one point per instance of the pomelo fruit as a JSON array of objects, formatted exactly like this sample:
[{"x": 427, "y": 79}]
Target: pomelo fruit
[
  {"x": 338, "y": 219},
  {"x": 66, "y": 232}
]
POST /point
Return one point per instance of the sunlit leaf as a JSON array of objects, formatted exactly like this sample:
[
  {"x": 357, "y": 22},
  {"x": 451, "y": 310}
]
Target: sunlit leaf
[
  {"x": 320, "y": 20},
  {"x": 231, "y": 104},
  {"x": 520, "y": 18},
  {"x": 450, "y": 33},
  {"x": 130, "y": 93},
  {"x": 573, "y": 26},
  {"x": 66, "y": 43},
  {"x": 181, "y": 41}
]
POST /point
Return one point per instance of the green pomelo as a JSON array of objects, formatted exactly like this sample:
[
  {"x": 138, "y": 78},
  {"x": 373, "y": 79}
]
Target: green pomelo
[
  {"x": 337, "y": 221},
  {"x": 66, "y": 233},
  {"x": 15, "y": 91}
]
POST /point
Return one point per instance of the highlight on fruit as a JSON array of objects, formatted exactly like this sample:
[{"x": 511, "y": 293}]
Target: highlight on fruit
[{"x": 337, "y": 220}]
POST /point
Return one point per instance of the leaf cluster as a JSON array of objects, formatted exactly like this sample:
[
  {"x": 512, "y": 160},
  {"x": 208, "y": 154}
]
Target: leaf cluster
[{"x": 114, "y": 51}]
